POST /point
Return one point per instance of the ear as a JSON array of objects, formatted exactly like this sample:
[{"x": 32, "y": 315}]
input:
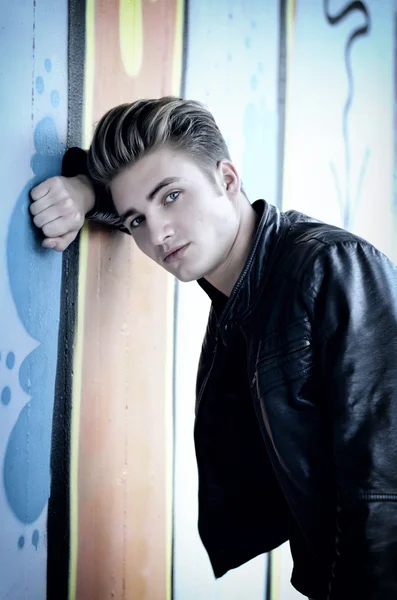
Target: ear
[{"x": 228, "y": 177}]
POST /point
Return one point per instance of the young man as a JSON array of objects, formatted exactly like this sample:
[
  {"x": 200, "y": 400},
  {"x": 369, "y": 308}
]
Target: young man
[{"x": 296, "y": 413}]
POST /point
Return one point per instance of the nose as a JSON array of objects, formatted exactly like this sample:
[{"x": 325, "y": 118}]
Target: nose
[{"x": 159, "y": 229}]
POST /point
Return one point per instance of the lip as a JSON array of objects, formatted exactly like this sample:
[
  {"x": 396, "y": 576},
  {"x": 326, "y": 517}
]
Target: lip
[{"x": 175, "y": 253}]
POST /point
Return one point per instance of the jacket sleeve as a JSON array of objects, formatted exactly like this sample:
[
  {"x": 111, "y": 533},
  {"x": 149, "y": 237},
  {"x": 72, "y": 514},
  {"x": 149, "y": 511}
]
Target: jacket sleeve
[
  {"x": 104, "y": 212},
  {"x": 354, "y": 291}
]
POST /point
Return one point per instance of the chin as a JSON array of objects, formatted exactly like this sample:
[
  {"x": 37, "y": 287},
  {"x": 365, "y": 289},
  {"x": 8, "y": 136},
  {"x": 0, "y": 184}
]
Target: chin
[{"x": 186, "y": 277}]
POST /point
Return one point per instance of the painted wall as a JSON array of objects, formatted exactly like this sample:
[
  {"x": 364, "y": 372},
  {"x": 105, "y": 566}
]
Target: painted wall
[
  {"x": 122, "y": 435},
  {"x": 98, "y": 348},
  {"x": 33, "y": 120}
]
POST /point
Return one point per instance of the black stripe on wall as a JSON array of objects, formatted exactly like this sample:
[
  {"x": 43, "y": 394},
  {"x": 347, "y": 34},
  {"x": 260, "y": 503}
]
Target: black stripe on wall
[{"x": 58, "y": 527}]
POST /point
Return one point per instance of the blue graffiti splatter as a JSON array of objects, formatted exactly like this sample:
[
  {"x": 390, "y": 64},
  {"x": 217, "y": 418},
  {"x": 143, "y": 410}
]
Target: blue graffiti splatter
[
  {"x": 10, "y": 360},
  {"x": 6, "y": 396},
  {"x": 21, "y": 542},
  {"x": 39, "y": 85},
  {"x": 47, "y": 65},
  {"x": 55, "y": 98},
  {"x": 34, "y": 276},
  {"x": 35, "y": 538}
]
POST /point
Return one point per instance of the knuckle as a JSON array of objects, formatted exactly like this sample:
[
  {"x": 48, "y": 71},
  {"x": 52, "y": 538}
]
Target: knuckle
[
  {"x": 57, "y": 188},
  {"x": 66, "y": 204},
  {"x": 55, "y": 182}
]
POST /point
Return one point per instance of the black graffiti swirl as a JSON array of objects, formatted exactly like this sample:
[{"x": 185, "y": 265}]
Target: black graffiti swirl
[{"x": 360, "y": 31}]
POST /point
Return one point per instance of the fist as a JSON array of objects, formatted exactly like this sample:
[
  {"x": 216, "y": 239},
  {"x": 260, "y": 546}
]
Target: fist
[{"x": 59, "y": 206}]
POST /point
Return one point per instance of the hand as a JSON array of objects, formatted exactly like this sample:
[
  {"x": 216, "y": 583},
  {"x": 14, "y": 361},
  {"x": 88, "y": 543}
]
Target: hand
[{"x": 59, "y": 207}]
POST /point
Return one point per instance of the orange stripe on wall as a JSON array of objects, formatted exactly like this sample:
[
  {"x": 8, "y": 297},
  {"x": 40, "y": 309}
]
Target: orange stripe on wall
[{"x": 122, "y": 540}]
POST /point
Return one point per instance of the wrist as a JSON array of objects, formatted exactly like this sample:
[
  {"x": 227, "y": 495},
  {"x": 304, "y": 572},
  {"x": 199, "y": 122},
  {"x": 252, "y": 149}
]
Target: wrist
[{"x": 89, "y": 193}]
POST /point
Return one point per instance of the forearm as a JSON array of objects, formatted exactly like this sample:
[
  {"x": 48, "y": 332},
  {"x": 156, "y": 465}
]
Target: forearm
[{"x": 99, "y": 203}]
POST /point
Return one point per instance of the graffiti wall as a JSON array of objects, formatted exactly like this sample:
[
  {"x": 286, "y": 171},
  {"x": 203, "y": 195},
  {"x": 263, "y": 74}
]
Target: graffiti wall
[
  {"x": 342, "y": 127},
  {"x": 98, "y": 348},
  {"x": 33, "y": 121}
]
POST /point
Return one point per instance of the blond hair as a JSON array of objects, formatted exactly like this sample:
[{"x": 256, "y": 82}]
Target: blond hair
[{"x": 127, "y": 132}]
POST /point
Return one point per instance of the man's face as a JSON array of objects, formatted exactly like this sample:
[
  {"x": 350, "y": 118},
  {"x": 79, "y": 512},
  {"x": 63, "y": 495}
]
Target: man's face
[{"x": 177, "y": 216}]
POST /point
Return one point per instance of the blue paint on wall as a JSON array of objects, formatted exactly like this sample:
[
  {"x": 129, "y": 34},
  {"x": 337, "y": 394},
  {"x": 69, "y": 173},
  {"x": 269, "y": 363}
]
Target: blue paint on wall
[
  {"x": 33, "y": 64},
  {"x": 39, "y": 85},
  {"x": 35, "y": 538},
  {"x": 6, "y": 396},
  {"x": 34, "y": 277},
  {"x": 10, "y": 360},
  {"x": 55, "y": 98}
]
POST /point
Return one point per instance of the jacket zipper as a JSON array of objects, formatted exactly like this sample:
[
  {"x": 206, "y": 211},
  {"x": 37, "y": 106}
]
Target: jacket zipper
[
  {"x": 270, "y": 359},
  {"x": 377, "y": 497}
]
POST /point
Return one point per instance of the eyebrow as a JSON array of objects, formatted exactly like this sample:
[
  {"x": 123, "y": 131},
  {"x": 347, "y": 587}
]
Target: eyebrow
[{"x": 163, "y": 183}]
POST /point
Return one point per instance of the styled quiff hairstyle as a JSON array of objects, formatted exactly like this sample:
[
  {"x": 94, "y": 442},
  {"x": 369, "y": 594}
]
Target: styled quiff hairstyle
[{"x": 127, "y": 132}]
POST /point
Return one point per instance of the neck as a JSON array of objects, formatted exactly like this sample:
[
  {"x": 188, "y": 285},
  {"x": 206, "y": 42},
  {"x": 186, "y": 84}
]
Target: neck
[{"x": 227, "y": 274}]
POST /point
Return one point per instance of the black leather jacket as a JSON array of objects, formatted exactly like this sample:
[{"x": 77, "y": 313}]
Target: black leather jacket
[{"x": 296, "y": 413}]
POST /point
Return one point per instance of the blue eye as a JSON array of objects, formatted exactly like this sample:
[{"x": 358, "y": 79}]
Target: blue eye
[
  {"x": 172, "y": 197},
  {"x": 136, "y": 222}
]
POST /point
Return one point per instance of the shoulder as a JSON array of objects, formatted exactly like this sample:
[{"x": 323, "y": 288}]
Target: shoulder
[
  {"x": 316, "y": 239},
  {"x": 308, "y": 232},
  {"x": 313, "y": 252}
]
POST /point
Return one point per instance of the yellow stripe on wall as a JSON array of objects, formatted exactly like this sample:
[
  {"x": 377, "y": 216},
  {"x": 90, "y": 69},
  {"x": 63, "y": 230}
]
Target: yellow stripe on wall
[
  {"x": 131, "y": 35},
  {"x": 178, "y": 48}
]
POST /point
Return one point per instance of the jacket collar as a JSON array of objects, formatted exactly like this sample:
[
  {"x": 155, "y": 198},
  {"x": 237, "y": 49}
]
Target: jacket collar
[{"x": 233, "y": 311}]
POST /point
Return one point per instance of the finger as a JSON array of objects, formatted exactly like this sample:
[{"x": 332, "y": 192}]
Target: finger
[
  {"x": 59, "y": 244},
  {"x": 41, "y": 190},
  {"x": 61, "y": 226},
  {"x": 38, "y": 206},
  {"x": 60, "y": 209}
]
